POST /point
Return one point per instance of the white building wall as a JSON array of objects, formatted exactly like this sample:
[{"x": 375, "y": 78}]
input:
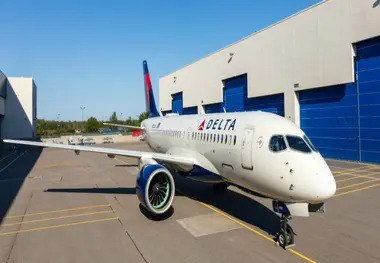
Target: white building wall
[
  {"x": 313, "y": 48},
  {"x": 20, "y": 106}
]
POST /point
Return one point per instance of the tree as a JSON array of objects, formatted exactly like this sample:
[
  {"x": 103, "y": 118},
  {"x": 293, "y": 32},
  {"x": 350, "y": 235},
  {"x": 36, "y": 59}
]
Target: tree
[
  {"x": 92, "y": 125},
  {"x": 113, "y": 118},
  {"x": 143, "y": 116}
]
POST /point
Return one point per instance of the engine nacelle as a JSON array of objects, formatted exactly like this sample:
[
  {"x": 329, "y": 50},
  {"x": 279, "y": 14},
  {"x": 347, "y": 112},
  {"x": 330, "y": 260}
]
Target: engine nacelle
[{"x": 155, "y": 188}]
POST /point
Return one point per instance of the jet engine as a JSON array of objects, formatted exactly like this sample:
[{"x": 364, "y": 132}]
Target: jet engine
[{"x": 155, "y": 188}]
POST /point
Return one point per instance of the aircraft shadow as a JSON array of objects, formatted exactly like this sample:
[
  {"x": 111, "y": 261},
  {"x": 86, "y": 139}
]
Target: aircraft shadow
[
  {"x": 232, "y": 203},
  {"x": 14, "y": 174},
  {"x": 235, "y": 204}
]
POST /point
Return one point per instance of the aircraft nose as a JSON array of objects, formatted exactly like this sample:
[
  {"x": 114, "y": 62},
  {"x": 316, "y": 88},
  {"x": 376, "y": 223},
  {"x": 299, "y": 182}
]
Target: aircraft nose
[{"x": 326, "y": 187}]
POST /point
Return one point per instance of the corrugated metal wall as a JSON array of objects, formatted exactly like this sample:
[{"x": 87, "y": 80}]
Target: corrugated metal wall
[
  {"x": 368, "y": 80},
  {"x": 344, "y": 121}
]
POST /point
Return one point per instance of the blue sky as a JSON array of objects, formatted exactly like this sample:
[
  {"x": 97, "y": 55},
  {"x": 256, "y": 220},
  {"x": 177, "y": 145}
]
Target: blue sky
[{"x": 90, "y": 52}]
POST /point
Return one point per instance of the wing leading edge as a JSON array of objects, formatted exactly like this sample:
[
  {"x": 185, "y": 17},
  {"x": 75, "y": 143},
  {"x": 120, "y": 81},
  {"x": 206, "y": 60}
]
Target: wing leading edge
[{"x": 175, "y": 159}]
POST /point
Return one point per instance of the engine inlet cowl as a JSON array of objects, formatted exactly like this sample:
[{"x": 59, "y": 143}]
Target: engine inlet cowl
[{"x": 155, "y": 188}]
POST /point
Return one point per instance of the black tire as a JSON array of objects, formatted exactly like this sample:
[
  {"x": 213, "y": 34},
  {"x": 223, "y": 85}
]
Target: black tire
[
  {"x": 290, "y": 234},
  {"x": 283, "y": 239}
]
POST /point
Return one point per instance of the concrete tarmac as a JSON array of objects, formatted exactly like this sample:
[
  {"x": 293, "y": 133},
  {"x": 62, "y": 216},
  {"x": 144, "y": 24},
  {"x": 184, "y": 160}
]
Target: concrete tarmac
[{"x": 59, "y": 207}]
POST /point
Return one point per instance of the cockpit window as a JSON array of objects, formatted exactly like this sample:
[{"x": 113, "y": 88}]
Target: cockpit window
[
  {"x": 309, "y": 143},
  {"x": 277, "y": 143},
  {"x": 297, "y": 143}
]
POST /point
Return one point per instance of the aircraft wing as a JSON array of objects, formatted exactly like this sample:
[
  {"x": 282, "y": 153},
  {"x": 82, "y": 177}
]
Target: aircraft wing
[
  {"x": 125, "y": 126},
  {"x": 160, "y": 157}
]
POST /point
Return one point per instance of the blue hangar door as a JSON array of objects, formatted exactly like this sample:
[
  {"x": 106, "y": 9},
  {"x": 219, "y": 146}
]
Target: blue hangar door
[
  {"x": 344, "y": 121},
  {"x": 234, "y": 93},
  {"x": 271, "y": 103},
  {"x": 190, "y": 110},
  {"x": 329, "y": 117},
  {"x": 368, "y": 81},
  {"x": 177, "y": 103}
]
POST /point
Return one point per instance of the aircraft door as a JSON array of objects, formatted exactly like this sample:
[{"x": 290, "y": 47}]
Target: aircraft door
[{"x": 246, "y": 148}]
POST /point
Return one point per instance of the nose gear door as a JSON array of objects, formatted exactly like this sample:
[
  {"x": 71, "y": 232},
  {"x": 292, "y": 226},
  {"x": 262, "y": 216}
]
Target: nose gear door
[{"x": 246, "y": 148}]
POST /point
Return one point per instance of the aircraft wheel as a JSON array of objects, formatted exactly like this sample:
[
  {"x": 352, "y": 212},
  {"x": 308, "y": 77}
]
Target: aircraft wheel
[
  {"x": 286, "y": 237},
  {"x": 283, "y": 239}
]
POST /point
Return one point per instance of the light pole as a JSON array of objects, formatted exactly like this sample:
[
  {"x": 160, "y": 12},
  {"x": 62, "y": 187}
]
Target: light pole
[
  {"x": 82, "y": 109},
  {"x": 58, "y": 120}
]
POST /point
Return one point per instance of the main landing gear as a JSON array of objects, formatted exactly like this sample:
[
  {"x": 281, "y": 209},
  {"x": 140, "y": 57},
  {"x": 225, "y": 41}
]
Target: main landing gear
[{"x": 286, "y": 235}]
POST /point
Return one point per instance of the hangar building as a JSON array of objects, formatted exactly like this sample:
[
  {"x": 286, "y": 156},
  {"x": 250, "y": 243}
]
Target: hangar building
[
  {"x": 18, "y": 108},
  {"x": 320, "y": 68}
]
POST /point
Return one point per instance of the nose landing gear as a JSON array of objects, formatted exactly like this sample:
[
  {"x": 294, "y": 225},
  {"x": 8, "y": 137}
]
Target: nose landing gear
[{"x": 286, "y": 235}]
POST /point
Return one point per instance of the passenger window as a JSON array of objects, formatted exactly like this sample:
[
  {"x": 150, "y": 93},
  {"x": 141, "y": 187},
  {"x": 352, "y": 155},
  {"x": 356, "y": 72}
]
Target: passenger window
[
  {"x": 297, "y": 143},
  {"x": 277, "y": 143}
]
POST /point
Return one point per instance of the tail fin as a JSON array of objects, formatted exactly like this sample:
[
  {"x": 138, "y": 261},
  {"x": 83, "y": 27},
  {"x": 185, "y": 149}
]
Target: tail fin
[{"x": 150, "y": 103}]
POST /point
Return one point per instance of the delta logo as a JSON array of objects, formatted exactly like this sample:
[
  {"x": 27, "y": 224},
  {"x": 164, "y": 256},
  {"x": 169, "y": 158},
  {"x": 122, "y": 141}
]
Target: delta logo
[{"x": 218, "y": 124}]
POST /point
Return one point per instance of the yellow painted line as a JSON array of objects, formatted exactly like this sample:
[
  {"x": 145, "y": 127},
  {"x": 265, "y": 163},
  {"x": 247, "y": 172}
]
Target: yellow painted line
[
  {"x": 357, "y": 190},
  {"x": 132, "y": 165},
  {"x": 58, "y": 226},
  {"x": 57, "y": 211},
  {"x": 352, "y": 169},
  {"x": 241, "y": 224},
  {"x": 362, "y": 170},
  {"x": 352, "y": 185},
  {"x": 359, "y": 176},
  {"x": 55, "y": 218},
  {"x": 352, "y": 178},
  {"x": 237, "y": 222},
  {"x": 254, "y": 231}
]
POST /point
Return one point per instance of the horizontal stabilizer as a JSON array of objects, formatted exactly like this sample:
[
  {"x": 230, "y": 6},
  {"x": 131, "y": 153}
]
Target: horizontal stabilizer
[{"x": 124, "y": 126}]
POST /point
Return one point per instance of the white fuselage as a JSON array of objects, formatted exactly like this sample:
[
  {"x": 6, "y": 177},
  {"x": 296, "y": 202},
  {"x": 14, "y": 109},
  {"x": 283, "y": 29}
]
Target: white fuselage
[{"x": 237, "y": 148}]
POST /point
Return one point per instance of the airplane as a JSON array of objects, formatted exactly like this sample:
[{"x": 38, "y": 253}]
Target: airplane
[{"x": 259, "y": 152}]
